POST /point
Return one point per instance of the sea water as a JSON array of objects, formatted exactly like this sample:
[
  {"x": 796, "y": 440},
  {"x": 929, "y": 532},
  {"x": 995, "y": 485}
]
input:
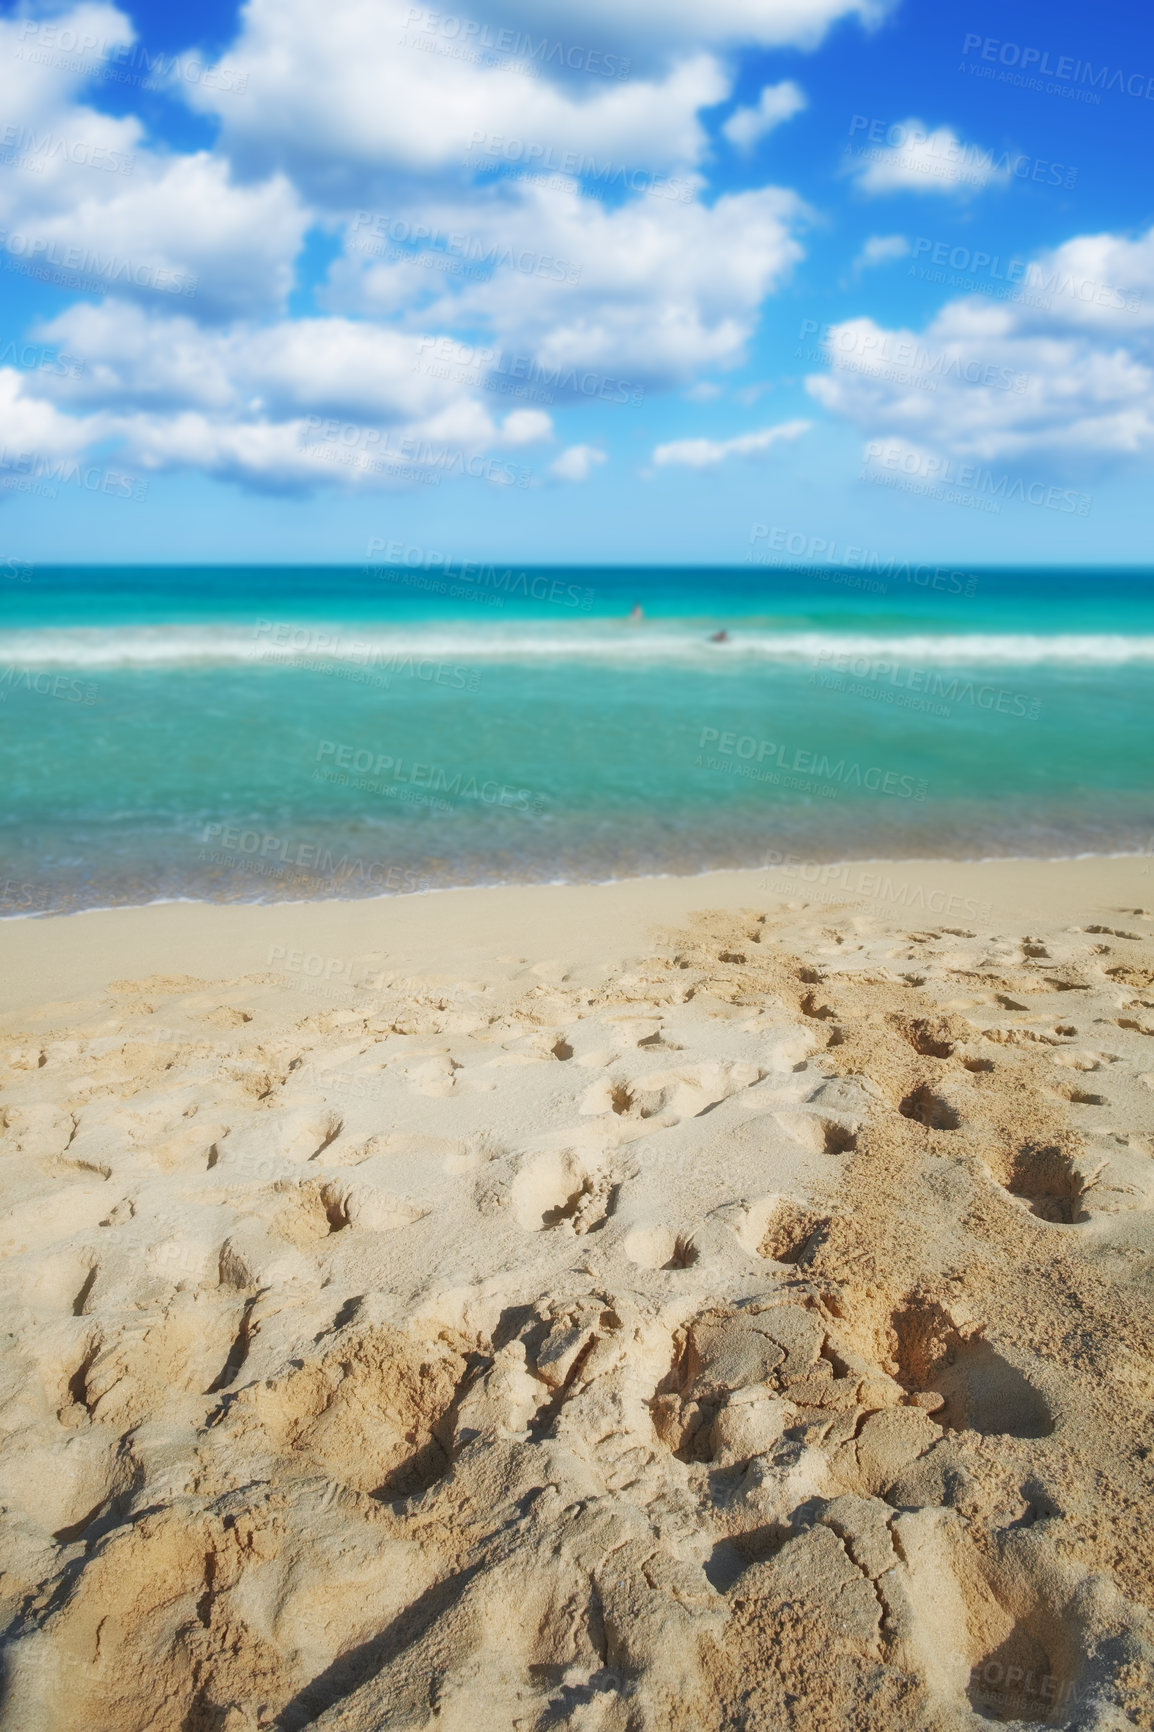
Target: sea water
[{"x": 261, "y": 733}]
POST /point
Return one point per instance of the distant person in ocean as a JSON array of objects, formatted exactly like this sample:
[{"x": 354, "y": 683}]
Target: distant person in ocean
[
  {"x": 720, "y": 637},
  {"x": 636, "y": 613}
]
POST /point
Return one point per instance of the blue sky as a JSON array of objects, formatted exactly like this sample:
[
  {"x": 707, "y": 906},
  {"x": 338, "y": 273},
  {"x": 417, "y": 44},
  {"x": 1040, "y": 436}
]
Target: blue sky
[{"x": 643, "y": 281}]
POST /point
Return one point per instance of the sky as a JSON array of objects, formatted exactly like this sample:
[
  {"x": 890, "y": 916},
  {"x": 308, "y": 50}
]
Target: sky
[{"x": 629, "y": 281}]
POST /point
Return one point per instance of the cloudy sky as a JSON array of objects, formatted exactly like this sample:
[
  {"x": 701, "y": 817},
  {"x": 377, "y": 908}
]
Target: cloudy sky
[{"x": 576, "y": 280}]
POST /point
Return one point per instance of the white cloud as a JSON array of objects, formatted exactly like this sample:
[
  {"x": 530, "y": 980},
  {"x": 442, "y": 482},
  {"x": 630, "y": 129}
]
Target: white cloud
[
  {"x": 345, "y": 95},
  {"x": 37, "y": 73},
  {"x": 913, "y": 158},
  {"x": 672, "y": 311},
  {"x": 768, "y": 23},
  {"x": 577, "y": 463},
  {"x": 329, "y": 367},
  {"x": 179, "y": 230},
  {"x": 526, "y": 427},
  {"x": 300, "y": 453},
  {"x": 89, "y": 201},
  {"x": 648, "y": 304},
  {"x": 308, "y": 402},
  {"x": 355, "y": 85},
  {"x": 1064, "y": 374},
  {"x": 1102, "y": 283},
  {"x": 351, "y": 88},
  {"x": 189, "y": 356},
  {"x": 777, "y": 103},
  {"x": 708, "y": 453},
  {"x": 38, "y": 428},
  {"x": 880, "y": 250}
]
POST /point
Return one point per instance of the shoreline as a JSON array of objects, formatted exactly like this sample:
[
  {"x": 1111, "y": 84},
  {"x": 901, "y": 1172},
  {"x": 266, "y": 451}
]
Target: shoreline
[
  {"x": 40, "y": 958},
  {"x": 821, "y": 866}
]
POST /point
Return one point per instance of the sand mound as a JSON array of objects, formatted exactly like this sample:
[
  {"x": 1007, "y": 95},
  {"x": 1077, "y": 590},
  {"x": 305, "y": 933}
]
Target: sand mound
[{"x": 756, "y": 1337}]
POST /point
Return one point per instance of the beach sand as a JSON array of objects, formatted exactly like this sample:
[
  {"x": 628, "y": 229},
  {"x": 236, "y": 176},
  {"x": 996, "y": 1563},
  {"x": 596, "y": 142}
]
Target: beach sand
[{"x": 666, "y": 1306}]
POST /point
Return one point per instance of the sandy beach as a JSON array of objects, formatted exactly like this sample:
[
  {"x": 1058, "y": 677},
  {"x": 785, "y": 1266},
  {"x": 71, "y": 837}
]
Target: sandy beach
[
  {"x": 677, "y": 1305},
  {"x": 576, "y": 868}
]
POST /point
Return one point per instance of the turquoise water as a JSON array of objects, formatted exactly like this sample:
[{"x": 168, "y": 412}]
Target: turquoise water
[{"x": 263, "y": 733}]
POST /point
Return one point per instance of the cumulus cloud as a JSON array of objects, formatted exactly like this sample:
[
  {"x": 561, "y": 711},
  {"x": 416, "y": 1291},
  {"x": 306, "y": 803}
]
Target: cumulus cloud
[
  {"x": 330, "y": 366},
  {"x": 600, "y": 286},
  {"x": 43, "y": 61},
  {"x": 88, "y": 204},
  {"x": 1102, "y": 283},
  {"x": 360, "y": 86},
  {"x": 350, "y": 93},
  {"x": 881, "y": 250},
  {"x": 355, "y": 84},
  {"x": 776, "y": 104},
  {"x": 310, "y": 402},
  {"x": 768, "y": 23},
  {"x": 909, "y": 157},
  {"x": 577, "y": 463},
  {"x": 708, "y": 453},
  {"x": 38, "y": 428},
  {"x": 1064, "y": 374},
  {"x": 308, "y": 452},
  {"x": 632, "y": 293},
  {"x": 649, "y": 309},
  {"x": 179, "y": 230}
]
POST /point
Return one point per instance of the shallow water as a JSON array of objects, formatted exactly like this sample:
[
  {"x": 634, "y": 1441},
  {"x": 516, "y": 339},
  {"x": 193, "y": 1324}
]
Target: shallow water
[{"x": 287, "y": 732}]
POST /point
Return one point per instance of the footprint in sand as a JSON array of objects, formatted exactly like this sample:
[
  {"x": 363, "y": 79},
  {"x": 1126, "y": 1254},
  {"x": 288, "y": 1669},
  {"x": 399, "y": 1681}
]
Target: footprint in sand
[
  {"x": 660, "y": 1248},
  {"x": 563, "y": 1189},
  {"x": 785, "y": 1232},
  {"x": 269, "y": 1144}
]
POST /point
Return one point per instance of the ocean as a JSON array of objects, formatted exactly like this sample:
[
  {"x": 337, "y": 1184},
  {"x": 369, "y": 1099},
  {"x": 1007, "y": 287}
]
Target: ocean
[{"x": 271, "y": 733}]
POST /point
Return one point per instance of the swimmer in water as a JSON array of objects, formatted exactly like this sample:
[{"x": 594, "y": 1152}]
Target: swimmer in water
[
  {"x": 720, "y": 637},
  {"x": 636, "y": 614}
]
